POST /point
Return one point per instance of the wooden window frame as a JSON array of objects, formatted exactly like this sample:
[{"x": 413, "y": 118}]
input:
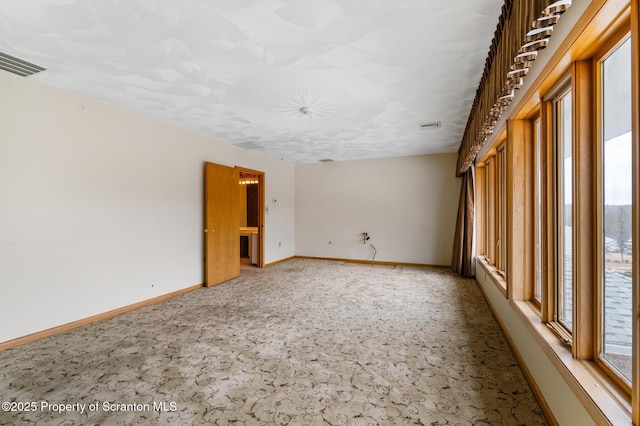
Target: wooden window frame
[
  {"x": 500, "y": 210},
  {"x": 608, "y": 23},
  {"x": 490, "y": 169},
  {"x": 609, "y": 47},
  {"x": 538, "y": 202},
  {"x": 480, "y": 210},
  {"x": 492, "y": 177},
  {"x": 556, "y": 200},
  {"x": 635, "y": 125}
]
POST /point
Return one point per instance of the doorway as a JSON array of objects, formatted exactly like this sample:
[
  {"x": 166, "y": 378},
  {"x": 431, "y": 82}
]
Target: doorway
[
  {"x": 251, "y": 187},
  {"x": 228, "y": 211}
]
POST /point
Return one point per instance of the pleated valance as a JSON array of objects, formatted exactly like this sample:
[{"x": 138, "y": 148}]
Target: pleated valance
[{"x": 524, "y": 28}]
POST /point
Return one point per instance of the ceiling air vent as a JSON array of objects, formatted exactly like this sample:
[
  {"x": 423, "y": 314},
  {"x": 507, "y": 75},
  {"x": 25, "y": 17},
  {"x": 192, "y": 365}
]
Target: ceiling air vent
[
  {"x": 18, "y": 66},
  {"x": 431, "y": 125},
  {"x": 248, "y": 145}
]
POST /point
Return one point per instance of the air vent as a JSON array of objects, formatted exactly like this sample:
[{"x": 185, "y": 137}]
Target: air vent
[
  {"x": 18, "y": 66},
  {"x": 326, "y": 160},
  {"x": 432, "y": 125},
  {"x": 249, "y": 145}
]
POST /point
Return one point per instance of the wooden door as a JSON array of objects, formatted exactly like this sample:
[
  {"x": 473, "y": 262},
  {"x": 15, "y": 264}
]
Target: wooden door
[{"x": 222, "y": 223}]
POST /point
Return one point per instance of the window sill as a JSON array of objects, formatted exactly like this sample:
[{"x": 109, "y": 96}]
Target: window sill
[
  {"x": 604, "y": 402},
  {"x": 496, "y": 277}
]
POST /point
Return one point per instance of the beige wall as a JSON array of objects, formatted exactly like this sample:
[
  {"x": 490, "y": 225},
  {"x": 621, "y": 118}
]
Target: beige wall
[
  {"x": 101, "y": 208},
  {"x": 407, "y": 205}
]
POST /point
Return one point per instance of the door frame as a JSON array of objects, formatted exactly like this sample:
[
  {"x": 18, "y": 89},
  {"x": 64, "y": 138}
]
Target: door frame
[{"x": 261, "y": 229}]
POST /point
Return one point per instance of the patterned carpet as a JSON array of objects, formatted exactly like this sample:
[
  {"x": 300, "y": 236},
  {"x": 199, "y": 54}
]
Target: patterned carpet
[{"x": 305, "y": 342}]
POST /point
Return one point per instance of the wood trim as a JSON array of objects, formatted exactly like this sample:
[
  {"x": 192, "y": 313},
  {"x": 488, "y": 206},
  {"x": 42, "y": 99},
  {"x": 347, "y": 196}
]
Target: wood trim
[
  {"x": 497, "y": 280},
  {"x": 359, "y": 261},
  {"x": 376, "y": 263},
  {"x": 501, "y": 208},
  {"x": 559, "y": 279},
  {"x": 529, "y": 225},
  {"x": 595, "y": 20},
  {"x": 598, "y": 214},
  {"x": 481, "y": 247},
  {"x": 517, "y": 230},
  {"x": 490, "y": 184},
  {"x": 619, "y": 36},
  {"x": 603, "y": 403},
  {"x": 601, "y": 22},
  {"x": 548, "y": 208},
  {"x": 261, "y": 213},
  {"x": 538, "y": 225},
  {"x": 611, "y": 23},
  {"x": 606, "y": 405},
  {"x": 286, "y": 259},
  {"x": 95, "y": 318},
  {"x": 494, "y": 166},
  {"x": 583, "y": 209},
  {"x": 635, "y": 125},
  {"x": 532, "y": 215}
]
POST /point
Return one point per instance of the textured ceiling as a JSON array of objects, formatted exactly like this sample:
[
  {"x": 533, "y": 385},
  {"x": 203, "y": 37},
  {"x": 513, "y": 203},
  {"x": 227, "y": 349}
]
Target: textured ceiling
[{"x": 301, "y": 80}]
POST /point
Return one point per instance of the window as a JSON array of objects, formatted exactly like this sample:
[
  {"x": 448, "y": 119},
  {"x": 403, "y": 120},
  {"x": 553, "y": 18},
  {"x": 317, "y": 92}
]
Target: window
[
  {"x": 492, "y": 198},
  {"x": 563, "y": 135},
  {"x": 538, "y": 214},
  {"x": 573, "y": 165},
  {"x": 490, "y": 207},
  {"x": 616, "y": 252},
  {"x": 494, "y": 202},
  {"x": 501, "y": 211}
]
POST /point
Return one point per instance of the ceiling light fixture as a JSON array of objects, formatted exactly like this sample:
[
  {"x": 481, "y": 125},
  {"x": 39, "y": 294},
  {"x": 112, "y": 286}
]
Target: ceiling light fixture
[
  {"x": 305, "y": 110},
  {"x": 247, "y": 178}
]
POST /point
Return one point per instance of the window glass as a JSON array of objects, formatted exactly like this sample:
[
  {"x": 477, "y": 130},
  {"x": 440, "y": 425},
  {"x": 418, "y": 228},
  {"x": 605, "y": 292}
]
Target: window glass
[
  {"x": 616, "y": 210},
  {"x": 564, "y": 230},
  {"x": 503, "y": 210},
  {"x": 489, "y": 212},
  {"x": 500, "y": 210}
]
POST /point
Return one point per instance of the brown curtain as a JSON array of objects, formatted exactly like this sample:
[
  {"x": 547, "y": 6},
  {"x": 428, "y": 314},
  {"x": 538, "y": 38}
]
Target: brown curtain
[
  {"x": 524, "y": 28},
  {"x": 462, "y": 262}
]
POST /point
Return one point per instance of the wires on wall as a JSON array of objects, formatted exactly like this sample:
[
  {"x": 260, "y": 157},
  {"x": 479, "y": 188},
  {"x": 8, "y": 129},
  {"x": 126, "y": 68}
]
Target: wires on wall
[{"x": 365, "y": 238}]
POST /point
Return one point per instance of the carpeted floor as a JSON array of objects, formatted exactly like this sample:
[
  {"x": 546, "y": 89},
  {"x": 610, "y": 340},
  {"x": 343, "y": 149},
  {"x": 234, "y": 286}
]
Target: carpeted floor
[{"x": 303, "y": 342}]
